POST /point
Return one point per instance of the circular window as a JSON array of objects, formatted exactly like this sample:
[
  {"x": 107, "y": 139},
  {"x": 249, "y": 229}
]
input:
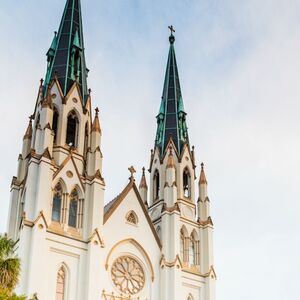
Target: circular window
[{"x": 128, "y": 275}]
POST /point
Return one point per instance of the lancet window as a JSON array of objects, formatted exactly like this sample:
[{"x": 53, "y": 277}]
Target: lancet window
[
  {"x": 60, "y": 284},
  {"x": 186, "y": 183},
  {"x": 72, "y": 129},
  {"x": 184, "y": 245},
  {"x": 55, "y": 124},
  {"x": 86, "y": 140},
  {"x": 56, "y": 203},
  {"x": 194, "y": 250},
  {"x": 73, "y": 209},
  {"x": 156, "y": 185}
]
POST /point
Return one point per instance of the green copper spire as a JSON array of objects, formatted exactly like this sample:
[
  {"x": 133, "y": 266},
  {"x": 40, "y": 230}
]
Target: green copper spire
[
  {"x": 171, "y": 119},
  {"x": 66, "y": 57}
]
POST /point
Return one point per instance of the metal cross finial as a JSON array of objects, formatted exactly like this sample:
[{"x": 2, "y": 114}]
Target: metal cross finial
[
  {"x": 202, "y": 166},
  {"x": 97, "y": 110},
  {"x": 171, "y": 29},
  {"x": 132, "y": 171}
]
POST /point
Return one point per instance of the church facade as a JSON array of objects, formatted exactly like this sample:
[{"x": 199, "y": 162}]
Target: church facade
[{"x": 149, "y": 243}]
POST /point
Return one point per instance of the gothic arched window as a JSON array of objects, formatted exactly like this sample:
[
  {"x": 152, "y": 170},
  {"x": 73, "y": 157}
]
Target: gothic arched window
[
  {"x": 73, "y": 209},
  {"x": 60, "y": 284},
  {"x": 156, "y": 185},
  {"x": 181, "y": 245},
  {"x": 192, "y": 251},
  {"x": 86, "y": 140},
  {"x": 56, "y": 203},
  {"x": 38, "y": 120},
  {"x": 184, "y": 250},
  {"x": 186, "y": 183},
  {"x": 55, "y": 124},
  {"x": 72, "y": 129}
]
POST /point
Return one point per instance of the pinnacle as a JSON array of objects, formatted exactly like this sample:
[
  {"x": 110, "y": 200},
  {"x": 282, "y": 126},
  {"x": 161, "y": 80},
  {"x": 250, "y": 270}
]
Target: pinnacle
[
  {"x": 28, "y": 133},
  {"x": 143, "y": 183},
  {"x": 96, "y": 124},
  {"x": 202, "y": 179}
]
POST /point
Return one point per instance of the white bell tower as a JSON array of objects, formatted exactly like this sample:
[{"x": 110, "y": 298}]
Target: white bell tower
[
  {"x": 56, "y": 205},
  {"x": 183, "y": 223}
]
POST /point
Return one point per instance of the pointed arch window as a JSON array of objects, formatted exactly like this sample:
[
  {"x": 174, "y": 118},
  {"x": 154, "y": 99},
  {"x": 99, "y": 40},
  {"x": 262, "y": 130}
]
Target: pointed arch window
[
  {"x": 192, "y": 252},
  {"x": 194, "y": 249},
  {"x": 56, "y": 203},
  {"x": 60, "y": 284},
  {"x": 55, "y": 124},
  {"x": 86, "y": 140},
  {"x": 186, "y": 183},
  {"x": 184, "y": 245},
  {"x": 156, "y": 186},
  {"x": 181, "y": 245},
  {"x": 72, "y": 129},
  {"x": 73, "y": 209},
  {"x": 38, "y": 120}
]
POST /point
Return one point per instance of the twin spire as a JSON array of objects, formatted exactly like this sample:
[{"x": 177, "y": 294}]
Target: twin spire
[
  {"x": 65, "y": 57},
  {"x": 171, "y": 119},
  {"x": 66, "y": 62}
]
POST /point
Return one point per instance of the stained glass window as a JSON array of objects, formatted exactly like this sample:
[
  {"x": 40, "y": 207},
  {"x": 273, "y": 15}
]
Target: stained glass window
[
  {"x": 56, "y": 204},
  {"x": 73, "y": 207}
]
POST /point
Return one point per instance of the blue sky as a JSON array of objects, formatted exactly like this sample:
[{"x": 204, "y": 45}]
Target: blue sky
[{"x": 239, "y": 67}]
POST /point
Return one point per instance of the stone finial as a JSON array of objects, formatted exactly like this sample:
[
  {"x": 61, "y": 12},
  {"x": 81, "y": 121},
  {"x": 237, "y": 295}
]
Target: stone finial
[
  {"x": 202, "y": 179},
  {"x": 132, "y": 171},
  {"x": 143, "y": 183}
]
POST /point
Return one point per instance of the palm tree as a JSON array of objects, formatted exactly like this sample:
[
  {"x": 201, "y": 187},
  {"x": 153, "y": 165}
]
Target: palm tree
[
  {"x": 9, "y": 269},
  {"x": 9, "y": 264}
]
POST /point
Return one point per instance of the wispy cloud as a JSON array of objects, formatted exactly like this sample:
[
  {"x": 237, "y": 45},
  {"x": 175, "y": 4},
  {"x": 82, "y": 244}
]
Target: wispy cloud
[{"x": 239, "y": 67}]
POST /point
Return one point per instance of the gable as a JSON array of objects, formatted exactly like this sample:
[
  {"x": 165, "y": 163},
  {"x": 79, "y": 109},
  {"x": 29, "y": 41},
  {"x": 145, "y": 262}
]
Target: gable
[
  {"x": 69, "y": 173},
  {"x": 118, "y": 209}
]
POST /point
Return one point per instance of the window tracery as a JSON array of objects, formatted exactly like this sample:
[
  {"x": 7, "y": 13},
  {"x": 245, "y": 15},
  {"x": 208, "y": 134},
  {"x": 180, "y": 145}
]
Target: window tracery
[
  {"x": 132, "y": 218},
  {"x": 128, "y": 275}
]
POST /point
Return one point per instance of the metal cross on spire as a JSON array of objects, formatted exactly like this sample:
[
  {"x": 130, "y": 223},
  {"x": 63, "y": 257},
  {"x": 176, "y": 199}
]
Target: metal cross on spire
[{"x": 171, "y": 29}]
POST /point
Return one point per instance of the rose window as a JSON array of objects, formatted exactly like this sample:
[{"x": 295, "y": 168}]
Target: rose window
[{"x": 128, "y": 275}]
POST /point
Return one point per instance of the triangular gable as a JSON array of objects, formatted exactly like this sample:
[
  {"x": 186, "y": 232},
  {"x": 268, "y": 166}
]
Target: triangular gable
[
  {"x": 113, "y": 205},
  {"x": 53, "y": 82},
  {"x": 74, "y": 86},
  {"x": 64, "y": 164}
]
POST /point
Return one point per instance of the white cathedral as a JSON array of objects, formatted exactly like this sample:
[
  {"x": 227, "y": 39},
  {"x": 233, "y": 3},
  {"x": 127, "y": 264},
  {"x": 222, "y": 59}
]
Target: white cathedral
[{"x": 146, "y": 244}]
